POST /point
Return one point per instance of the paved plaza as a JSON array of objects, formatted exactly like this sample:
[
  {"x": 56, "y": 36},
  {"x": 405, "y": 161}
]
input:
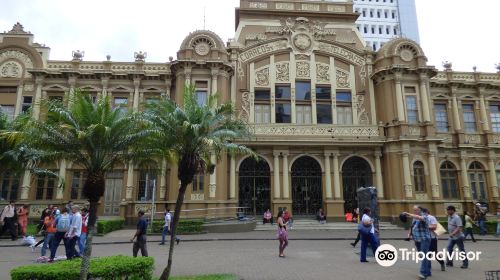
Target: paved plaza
[{"x": 253, "y": 255}]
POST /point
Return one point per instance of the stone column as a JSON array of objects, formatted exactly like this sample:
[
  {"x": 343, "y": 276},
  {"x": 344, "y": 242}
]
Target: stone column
[
  {"x": 456, "y": 116},
  {"x": 407, "y": 175},
  {"x": 425, "y": 98},
  {"x": 399, "y": 98},
  {"x": 168, "y": 84},
  {"x": 215, "y": 75},
  {"x": 484, "y": 115},
  {"x": 38, "y": 97},
  {"x": 434, "y": 172},
  {"x": 354, "y": 96},
  {"x": 378, "y": 175},
  {"x": 19, "y": 100},
  {"x": 276, "y": 168},
  {"x": 62, "y": 177},
  {"x": 314, "y": 116},
  {"x": 72, "y": 85},
  {"x": 328, "y": 176},
  {"x": 163, "y": 179},
  {"x": 286, "y": 186},
  {"x": 187, "y": 76},
  {"x": 336, "y": 176},
  {"x": 25, "y": 190},
  {"x": 333, "y": 85},
  {"x": 137, "y": 83},
  {"x": 493, "y": 175},
  {"x": 232, "y": 178},
  {"x": 104, "y": 82},
  {"x": 212, "y": 187},
  {"x": 130, "y": 181},
  {"x": 465, "y": 178}
]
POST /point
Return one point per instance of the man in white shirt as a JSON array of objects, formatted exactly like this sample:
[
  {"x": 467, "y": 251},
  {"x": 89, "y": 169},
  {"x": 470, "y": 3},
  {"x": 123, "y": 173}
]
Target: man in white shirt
[
  {"x": 8, "y": 220},
  {"x": 167, "y": 228},
  {"x": 74, "y": 232}
]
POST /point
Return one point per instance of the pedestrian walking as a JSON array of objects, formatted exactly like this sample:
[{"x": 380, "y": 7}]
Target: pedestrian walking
[
  {"x": 63, "y": 223},
  {"x": 83, "y": 236},
  {"x": 267, "y": 217},
  {"x": 22, "y": 219},
  {"x": 139, "y": 238},
  {"x": 168, "y": 227},
  {"x": 456, "y": 235},
  {"x": 421, "y": 234},
  {"x": 367, "y": 232},
  {"x": 73, "y": 234},
  {"x": 468, "y": 226},
  {"x": 8, "y": 220},
  {"x": 321, "y": 216},
  {"x": 433, "y": 225},
  {"x": 46, "y": 212},
  {"x": 282, "y": 233},
  {"x": 481, "y": 218},
  {"x": 49, "y": 228}
]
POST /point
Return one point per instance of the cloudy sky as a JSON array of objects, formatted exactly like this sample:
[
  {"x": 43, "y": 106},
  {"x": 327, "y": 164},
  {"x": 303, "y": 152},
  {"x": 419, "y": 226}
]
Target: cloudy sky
[{"x": 463, "y": 32}]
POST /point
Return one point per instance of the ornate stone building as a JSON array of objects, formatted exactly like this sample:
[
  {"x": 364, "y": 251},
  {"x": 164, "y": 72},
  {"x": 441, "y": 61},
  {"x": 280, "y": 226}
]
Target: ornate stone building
[{"x": 328, "y": 114}]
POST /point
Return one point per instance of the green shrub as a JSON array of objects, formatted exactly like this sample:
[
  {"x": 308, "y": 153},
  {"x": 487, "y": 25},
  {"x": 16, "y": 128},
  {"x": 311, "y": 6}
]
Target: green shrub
[
  {"x": 105, "y": 268},
  {"x": 105, "y": 226},
  {"x": 185, "y": 226},
  {"x": 491, "y": 226}
]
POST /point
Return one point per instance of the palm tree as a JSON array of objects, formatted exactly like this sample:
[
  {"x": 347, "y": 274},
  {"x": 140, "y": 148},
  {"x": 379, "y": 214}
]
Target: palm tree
[
  {"x": 92, "y": 135},
  {"x": 192, "y": 134}
]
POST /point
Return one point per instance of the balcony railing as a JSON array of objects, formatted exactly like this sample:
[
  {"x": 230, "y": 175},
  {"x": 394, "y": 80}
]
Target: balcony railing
[{"x": 337, "y": 131}]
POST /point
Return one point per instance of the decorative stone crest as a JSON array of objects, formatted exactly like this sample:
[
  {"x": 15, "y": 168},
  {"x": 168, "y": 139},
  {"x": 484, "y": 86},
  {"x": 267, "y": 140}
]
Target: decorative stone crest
[
  {"x": 11, "y": 69},
  {"x": 322, "y": 73},
  {"x": 78, "y": 55},
  {"x": 19, "y": 56},
  {"x": 18, "y": 29},
  {"x": 282, "y": 72},
  {"x": 245, "y": 106},
  {"x": 202, "y": 48},
  {"x": 406, "y": 55},
  {"x": 303, "y": 70},
  {"x": 140, "y": 56},
  {"x": 342, "y": 78},
  {"x": 362, "y": 114},
  {"x": 362, "y": 74},
  {"x": 447, "y": 65},
  {"x": 262, "y": 77}
]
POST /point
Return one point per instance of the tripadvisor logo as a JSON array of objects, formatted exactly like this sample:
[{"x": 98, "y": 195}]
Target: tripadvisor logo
[{"x": 387, "y": 255}]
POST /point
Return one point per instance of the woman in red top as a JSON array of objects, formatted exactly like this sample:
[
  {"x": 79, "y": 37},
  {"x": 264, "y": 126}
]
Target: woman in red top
[
  {"x": 83, "y": 236},
  {"x": 22, "y": 218}
]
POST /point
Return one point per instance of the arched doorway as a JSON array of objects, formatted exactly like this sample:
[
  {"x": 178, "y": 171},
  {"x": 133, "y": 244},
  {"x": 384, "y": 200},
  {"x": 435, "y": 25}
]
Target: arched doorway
[
  {"x": 254, "y": 186},
  {"x": 307, "y": 195},
  {"x": 356, "y": 173}
]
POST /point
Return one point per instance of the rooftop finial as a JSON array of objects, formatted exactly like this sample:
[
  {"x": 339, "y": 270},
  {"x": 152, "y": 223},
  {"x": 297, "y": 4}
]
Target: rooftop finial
[
  {"x": 447, "y": 65},
  {"x": 78, "y": 55},
  {"x": 140, "y": 56},
  {"x": 17, "y": 29}
]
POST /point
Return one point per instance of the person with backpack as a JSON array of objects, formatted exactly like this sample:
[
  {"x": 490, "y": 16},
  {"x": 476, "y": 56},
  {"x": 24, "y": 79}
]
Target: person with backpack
[
  {"x": 74, "y": 232},
  {"x": 8, "y": 220},
  {"x": 63, "y": 223}
]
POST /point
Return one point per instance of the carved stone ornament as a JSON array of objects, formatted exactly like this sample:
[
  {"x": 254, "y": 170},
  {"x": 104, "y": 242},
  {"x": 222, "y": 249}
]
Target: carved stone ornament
[
  {"x": 29, "y": 87},
  {"x": 322, "y": 73},
  {"x": 21, "y": 57},
  {"x": 202, "y": 48},
  {"x": 140, "y": 56},
  {"x": 302, "y": 41},
  {"x": 11, "y": 69},
  {"x": 18, "y": 29},
  {"x": 78, "y": 55},
  {"x": 308, "y": 130},
  {"x": 303, "y": 70},
  {"x": 362, "y": 114},
  {"x": 282, "y": 72},
  {"x": 342, "y": 79},
  {"x": 406, "y": 55},
  {"x": 362, "y": 74},
  {"x": 262, "y": 77},
  {"x": 245, "y": 106}
]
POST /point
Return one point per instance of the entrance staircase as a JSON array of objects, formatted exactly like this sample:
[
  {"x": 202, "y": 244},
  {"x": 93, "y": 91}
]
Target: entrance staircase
[{"x": 310, "y": 224}]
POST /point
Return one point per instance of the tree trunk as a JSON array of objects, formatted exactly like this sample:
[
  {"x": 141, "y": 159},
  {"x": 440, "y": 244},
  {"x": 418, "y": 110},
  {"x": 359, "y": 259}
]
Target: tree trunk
[
  {"x": 178, "y": 205},
  {"x": 87, "y": 252}
]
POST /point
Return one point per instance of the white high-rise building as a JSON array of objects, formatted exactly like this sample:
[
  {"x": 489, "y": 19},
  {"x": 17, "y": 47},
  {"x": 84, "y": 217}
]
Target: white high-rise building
[{"x": 383, "y": 20}]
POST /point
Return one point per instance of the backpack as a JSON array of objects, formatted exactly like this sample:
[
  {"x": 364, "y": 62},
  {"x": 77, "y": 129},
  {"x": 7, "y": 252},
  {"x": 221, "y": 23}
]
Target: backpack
[{"x": 63, "y": 223}]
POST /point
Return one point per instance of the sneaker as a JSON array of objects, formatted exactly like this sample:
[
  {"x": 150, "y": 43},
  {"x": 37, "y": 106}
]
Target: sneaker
[
  {"x": 162, "y": 243},
  {"x": 364, "y": 261},
  {"x": 443, "y": 268},
  {"x": 32, "y": 248},
  {"x": 50, "y": 261},
  {"x": 353, "y": 245},
  {"x": 464, "y": 266},
  {"x": 421, "y": 277}
]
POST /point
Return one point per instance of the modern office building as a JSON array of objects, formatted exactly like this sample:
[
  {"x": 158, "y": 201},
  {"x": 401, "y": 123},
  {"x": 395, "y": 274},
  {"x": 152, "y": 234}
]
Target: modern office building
[
  {"x": 328, "y": 115},
  {"x": 383, "y": 20}
]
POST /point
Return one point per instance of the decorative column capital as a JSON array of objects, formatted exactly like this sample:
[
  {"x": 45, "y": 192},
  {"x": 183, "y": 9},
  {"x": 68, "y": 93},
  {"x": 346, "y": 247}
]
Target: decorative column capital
[
  {"x": 137, "y": 82},
  {"x": 378, "y": 154}
]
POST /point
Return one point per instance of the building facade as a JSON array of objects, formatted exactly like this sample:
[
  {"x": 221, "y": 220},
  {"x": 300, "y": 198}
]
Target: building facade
[
  {"x": 383, "y": 20},
  {"x": 328, "y": 115}
]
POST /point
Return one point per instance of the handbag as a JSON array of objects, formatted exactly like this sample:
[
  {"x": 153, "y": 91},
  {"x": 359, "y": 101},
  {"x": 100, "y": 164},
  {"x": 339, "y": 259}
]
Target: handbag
[{"x": 439, "y": 229}]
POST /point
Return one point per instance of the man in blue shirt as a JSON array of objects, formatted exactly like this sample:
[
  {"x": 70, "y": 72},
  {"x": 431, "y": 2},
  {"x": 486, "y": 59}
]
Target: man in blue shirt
[
  {"x": 140, "y": 236},
  {"x": 422, "y": 237}
]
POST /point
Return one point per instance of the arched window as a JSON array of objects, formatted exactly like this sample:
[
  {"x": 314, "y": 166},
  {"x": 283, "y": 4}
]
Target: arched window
[
  {"x": 419, "y": 176},
  {"x": 477, "y": 181},
  {"x": 9, "y": 186},
  {"x": 449, "y": 180}
]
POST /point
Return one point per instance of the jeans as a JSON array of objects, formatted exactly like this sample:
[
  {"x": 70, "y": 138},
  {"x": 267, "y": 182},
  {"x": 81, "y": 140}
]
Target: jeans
[
  {"x": 70, "y": 247},
  {"x": 482, "y": 227},
  {"x": 468, "y": 231},
  {"x": 47, "y": 242},
  {"x": 166, "y": 231},
  {"x": 55, "y": 243},
  {"x": 460, "y": 244},
  {"x": 365, "y": 238},
  {"x": 424, "y": 246},
  {"x": 81, "y": 242},
  {"x": 434, "y": 248}
]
